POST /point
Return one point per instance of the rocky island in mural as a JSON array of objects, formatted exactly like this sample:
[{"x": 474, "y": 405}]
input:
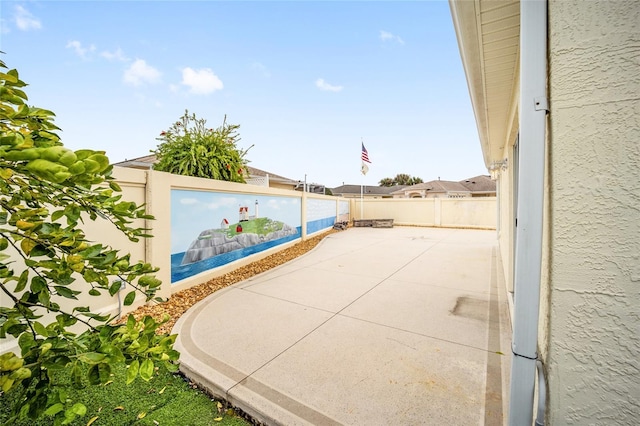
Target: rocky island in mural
[{"x": 247, "y": 232}]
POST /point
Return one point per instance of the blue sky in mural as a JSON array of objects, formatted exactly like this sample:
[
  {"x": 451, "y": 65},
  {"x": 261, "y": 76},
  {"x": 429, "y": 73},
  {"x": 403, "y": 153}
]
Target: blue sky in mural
[
  {"x": 195, "y": 211},
  {"x": 306, "y": 80}
]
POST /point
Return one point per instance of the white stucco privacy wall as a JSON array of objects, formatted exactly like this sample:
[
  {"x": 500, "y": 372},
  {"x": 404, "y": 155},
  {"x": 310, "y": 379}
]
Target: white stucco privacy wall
[
  {"x": 479, "y": 213},
  {"x": 593, "y": 348}
]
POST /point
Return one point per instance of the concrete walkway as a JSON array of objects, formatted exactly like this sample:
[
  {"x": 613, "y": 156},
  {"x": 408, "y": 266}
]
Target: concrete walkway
[{"x": 401, "y": 326}]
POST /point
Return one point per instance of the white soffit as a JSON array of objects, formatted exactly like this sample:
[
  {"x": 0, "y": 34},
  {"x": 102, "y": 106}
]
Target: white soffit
[{"x": 488, "y": 34}]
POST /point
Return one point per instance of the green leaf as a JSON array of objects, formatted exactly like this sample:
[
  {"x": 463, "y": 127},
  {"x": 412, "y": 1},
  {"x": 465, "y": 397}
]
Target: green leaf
[
  {"x": 54, "y": 409},
  {"x": 22, "y": 281},
  {"x": 40, "y": 250},
  {"x": 26, "y": 341},
  {"x": 20, "y": 374},
  {"x": 129, "y": 298},
  {"x": 40, "y": 329},
  {"x": 9, "y": 362},
  {"x": 131, "y": 322},
  {"x": 92, "y": 251},
  {"x": 79, "y": 409},
  {"x": 76, "y": 376},
  {"x": 149, "y": 281},
  {"x": 97, "y": 317},
  {"x": 57, "y": 363},
  {"x": 143, "y": 341},
  {"x": 27, "y": 245},
  {"x": 70, "y": 414},
  {"x": 115, "y": 287},
  {"x": 57, "y": 215},
  {"x": 132, "y": 371},
  {"x": 92, "y": 357},
  {"x": 146, "y": 369},
  {"x": 99, "y": 373},
  {"x": 94, "y": 292},
  {"x": 37, "y": 284},
  {"x": 44, "y": 297},
  {"x": 91, "y": 276},
  {"x": 66, "y": 292}
]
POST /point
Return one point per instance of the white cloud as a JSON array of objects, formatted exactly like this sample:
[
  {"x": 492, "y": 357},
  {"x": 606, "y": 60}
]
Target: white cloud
[
  {"x": 140, "y": 73},
  {"x": 118, "y": 55},
  {"x": 273, "y": 204},
  {"x": 323, "y": 85},
  {"x": 201, "y": 82},
  {"x": 24, "y": 20},
  {"x": 223, "y": 202},
  {"x": 387, "y": 36},
  {"x": 79, "y": 49},
  {"x": 188, "y": 201}
]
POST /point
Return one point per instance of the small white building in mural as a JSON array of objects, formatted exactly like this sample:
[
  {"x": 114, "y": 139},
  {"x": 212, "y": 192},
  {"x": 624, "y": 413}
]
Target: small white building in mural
[{"x": 243, "y": 214}]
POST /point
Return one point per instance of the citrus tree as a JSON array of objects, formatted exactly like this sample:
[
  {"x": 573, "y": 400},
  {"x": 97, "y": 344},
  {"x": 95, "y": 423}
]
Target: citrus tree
[
  {"x": 190, "y": 148},
  {"x": 46, "y": 262}
]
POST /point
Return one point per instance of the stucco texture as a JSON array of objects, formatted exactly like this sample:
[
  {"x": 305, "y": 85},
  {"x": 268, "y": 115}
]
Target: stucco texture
[{"x": 593, "y": 358}]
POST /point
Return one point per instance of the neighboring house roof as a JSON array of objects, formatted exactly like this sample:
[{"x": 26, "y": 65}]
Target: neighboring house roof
[
  {"x": 478, "y": 184},
  {"x": 368, "y": 190},
  {"x": 482, "y": 183},
  {"x": 434, "y": 186},
  {"x": 254, "y": 172},
  {"x": 145, "y": 162},
  {"x": 148, "y": 161}
]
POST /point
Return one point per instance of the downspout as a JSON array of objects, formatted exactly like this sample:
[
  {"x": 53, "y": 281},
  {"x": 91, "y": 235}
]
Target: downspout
[{"x": 528, "y": 256}]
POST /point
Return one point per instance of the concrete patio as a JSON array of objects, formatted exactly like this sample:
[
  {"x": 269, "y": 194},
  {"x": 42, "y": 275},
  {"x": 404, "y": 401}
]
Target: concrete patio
[{"x": 402, "y": 326}]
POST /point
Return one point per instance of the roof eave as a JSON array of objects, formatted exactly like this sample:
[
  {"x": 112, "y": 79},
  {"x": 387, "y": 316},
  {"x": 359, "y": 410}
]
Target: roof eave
[{"x": 467, "y": 18}]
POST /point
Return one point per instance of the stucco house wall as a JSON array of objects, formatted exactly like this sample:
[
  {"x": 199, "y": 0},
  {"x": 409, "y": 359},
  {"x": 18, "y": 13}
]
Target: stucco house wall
[
  {"x": 589, "y": 322},
  {"x": 592, "y": 350}
]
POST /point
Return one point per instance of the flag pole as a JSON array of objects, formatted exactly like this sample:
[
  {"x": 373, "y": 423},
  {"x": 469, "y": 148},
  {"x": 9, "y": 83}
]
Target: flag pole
[
  {"x": 362, "y": 183},
  {"x": 361, "y": 200}
]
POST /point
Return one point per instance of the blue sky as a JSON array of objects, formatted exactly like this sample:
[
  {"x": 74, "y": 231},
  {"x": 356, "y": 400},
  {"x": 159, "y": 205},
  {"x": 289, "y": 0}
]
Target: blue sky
[{"x": 306, "y": 81}]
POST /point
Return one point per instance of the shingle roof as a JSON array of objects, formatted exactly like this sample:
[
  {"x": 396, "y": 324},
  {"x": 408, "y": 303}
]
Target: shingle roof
[
  {"x": 482, "y": 183},
  {"x": 138, "y": 163},
  {"x": 258, "y": 172},
  {"x": 435, "y": 186},
  {"x": 147, "y": 162},
  {"x": 372, "y": 190}
]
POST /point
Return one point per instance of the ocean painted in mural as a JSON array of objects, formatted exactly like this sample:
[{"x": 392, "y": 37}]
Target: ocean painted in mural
[
  {"x": 321, "y": 214},
  {"x": 211, "y": 229}
]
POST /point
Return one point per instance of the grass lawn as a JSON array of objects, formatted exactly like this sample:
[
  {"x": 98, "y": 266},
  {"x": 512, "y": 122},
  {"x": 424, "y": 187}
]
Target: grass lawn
[{"x": 167, "y": 399}]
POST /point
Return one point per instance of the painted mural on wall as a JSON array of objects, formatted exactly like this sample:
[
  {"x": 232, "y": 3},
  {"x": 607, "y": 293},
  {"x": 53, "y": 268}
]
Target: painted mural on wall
[
  {"x": 343, "y": 211},
  {"x": 211, "y": 229},
  {"x": 321, "y": 214}
]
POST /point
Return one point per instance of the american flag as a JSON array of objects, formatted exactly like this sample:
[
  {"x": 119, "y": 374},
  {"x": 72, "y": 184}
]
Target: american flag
[{"x": 365, "y": 154}]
